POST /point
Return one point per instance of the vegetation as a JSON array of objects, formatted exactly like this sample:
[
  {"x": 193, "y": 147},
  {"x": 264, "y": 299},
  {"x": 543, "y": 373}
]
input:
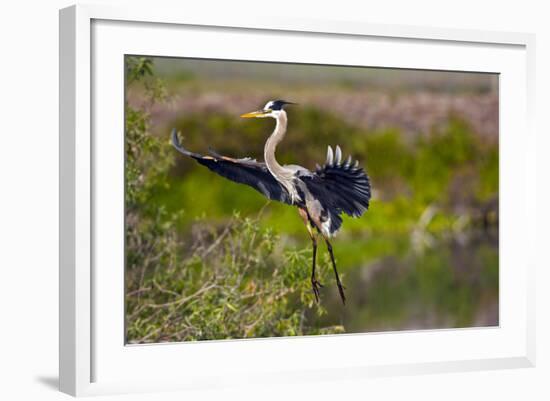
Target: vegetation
[
  {"x": 231, "y": 284},
  {"x": 426, "y": 255}
]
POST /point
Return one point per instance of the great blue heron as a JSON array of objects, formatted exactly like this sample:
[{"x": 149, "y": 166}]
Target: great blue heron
[{"x": 321, "y": 196}]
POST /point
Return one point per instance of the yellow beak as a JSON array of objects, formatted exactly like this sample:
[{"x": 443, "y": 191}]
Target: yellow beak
[{"x": 254, "y": 114}]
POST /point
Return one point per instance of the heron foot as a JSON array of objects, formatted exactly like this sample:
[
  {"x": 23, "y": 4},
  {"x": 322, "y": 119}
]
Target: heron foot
[{"x": 316, "y": 286}]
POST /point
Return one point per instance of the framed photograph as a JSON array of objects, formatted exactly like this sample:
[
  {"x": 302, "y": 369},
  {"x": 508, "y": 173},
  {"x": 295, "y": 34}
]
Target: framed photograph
[{"x": 270, "y": 200}]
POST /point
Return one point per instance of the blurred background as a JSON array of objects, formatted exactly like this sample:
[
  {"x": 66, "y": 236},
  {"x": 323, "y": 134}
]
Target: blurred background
[{"x": 425, "y": 255}]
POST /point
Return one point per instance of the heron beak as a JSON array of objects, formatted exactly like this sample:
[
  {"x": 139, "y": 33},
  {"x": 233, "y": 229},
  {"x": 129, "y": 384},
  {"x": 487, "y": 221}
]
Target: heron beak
[{"x": 255, "y": 114}]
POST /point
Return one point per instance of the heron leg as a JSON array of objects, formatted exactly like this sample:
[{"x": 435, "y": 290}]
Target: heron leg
[
  {"x": 338, "y": 282},
  {"x": 315, "y": 285}
]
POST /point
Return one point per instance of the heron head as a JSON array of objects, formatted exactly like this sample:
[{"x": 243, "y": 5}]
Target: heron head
[{"x": 271, "y": 109}]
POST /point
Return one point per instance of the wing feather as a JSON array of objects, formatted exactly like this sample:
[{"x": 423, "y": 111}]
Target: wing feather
[
  {"x": 243, "y": 171},
  {"x": 340, "y": 187}
]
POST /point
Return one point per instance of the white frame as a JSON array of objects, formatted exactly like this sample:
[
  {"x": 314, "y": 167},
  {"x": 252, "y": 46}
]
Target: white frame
[{"x": 76, "y": 206}]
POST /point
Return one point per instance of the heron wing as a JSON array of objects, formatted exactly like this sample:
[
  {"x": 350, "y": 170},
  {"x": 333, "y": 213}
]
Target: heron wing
[
  {"x": 243, "y": 171},
  {"x": 340, "y": 187}
]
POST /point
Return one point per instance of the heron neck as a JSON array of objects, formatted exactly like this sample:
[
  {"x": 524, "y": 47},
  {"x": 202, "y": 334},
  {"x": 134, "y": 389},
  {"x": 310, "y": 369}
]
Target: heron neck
[{"x": 277, "y": 136}]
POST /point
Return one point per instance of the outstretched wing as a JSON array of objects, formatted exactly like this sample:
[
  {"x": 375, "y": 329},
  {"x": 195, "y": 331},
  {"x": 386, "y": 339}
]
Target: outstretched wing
[
  {"x": 340, "y": 187},
  {"x": 244, "y": 171}
]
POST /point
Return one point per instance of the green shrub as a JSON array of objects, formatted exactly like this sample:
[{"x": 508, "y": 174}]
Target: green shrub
[{"x": 230, "y": 282}]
